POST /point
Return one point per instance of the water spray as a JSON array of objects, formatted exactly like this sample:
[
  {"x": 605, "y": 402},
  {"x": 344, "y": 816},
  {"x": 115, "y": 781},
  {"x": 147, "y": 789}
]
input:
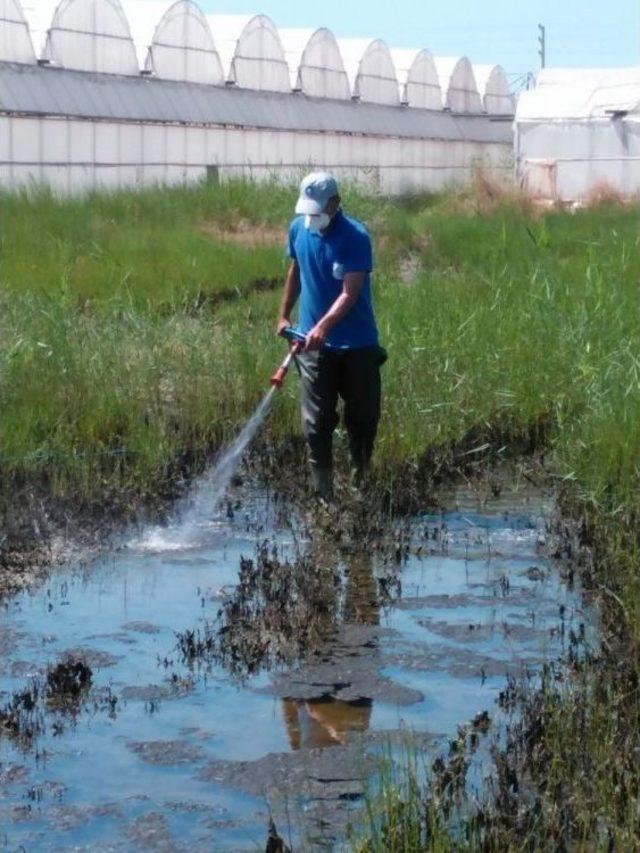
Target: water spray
[{"x": 210, "y": 489}]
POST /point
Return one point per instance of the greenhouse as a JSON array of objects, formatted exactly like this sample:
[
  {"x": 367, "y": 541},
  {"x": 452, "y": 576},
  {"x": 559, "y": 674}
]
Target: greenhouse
[
  {"x": 371, "y": 71},
  {"x": 578, "y": 133},
  {"x": 315, "y": 63},
  {"x": 87, "y": 35},
  {"x": 174, "y": 42},
  {"x": 458, "y": 84},
  {"x": 493, "y": 87},
  {"x": 418, "y": 78},
  {"x": 103, "y": 93},
  {"x": 251, "y": 52}
]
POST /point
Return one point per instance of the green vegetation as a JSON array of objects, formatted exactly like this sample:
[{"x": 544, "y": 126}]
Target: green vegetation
[
  {"x": 133, "y": 323},
  {"x": 135, "y": 337}
]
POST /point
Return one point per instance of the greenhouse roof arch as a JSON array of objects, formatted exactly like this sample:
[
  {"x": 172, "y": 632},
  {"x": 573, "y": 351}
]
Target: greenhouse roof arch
[
  {"x": 251, "y": 52},
  {"x": 371, "y": 71},
  {"x": 581, "y": 93},
  {"x": 493, "y": 87},
  {"x": 85, "y": 35},
  {"x": 15, "y": 39},
  {"x": 458, "y": 83},
  {"x": 418, "y": 78},
  {"x": 315, "y": 63},
  {"x": 182, "y": 47}
]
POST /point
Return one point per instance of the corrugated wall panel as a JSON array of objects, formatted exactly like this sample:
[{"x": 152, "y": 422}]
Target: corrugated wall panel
[
  {"x": 107, "y": 143},
  {"x": 55, "y": 142},
  {"x": 6, "y": 146},
  {"x": 154, "y": 141},
  {"x": 216, "y": 139},
  {"x": 176, "y": 145},
  {"x": 196, "y": 142},
  {"x": 285, "y": 144},
  {"x": 81, "y": 141},
  {"x": 131, "y": 143},
  {"x": 26, "y": 140}
]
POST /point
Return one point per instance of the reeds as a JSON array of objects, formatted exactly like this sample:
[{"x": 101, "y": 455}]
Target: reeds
[{"x": 119, "y": 354}]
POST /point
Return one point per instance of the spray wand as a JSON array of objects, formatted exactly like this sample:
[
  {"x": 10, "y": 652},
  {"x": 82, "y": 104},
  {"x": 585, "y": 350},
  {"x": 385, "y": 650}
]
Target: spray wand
[{"x": 297, "y": 341}]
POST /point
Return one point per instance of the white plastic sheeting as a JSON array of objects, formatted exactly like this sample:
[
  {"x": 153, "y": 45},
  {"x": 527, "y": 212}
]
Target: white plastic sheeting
[
  {"x": 76, "y": 131},
  {"x": 578, "y": 131},
  {"x": 418, "y": 78},
  {"x": 315, "y": 63},
  {"x": 562, "y": 93},
  {"x": 183, "y": 47},
  {"x": 15, "y": 38},
  {"x": 371, "y": 71},
  {"x": 251, "y": 52},
  {"x": 458, "y": 83},
  {"x": 494, "y": 89},
  {"x": 174, "y": 41},
  {"x": 75, "y": 155},
  {"x": 87, "y": 35}
]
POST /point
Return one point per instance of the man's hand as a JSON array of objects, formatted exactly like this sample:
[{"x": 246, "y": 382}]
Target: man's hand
[
  {"x": 317, "y": 337},
  {"x": 283, "y": 323},
  {"x": 351, "y": 287}
]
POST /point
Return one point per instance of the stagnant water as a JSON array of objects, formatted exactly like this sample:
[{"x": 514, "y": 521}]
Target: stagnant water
[{"x": 178, "y": 759}]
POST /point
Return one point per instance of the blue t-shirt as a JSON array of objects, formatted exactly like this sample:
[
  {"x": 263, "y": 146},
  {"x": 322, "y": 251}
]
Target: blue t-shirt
[{"x": 323, "y": 260}]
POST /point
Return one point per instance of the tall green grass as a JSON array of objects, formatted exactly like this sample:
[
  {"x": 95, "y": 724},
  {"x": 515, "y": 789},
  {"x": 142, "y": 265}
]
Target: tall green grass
[{"x": 109, "y": 345}]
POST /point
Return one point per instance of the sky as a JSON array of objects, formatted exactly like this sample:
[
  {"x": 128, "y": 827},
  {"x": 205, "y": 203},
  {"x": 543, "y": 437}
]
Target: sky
[{"x": 579, "y": 32}]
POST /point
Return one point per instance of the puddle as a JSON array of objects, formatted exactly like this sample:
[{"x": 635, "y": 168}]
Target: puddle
[{"x": 178, "y": 758}]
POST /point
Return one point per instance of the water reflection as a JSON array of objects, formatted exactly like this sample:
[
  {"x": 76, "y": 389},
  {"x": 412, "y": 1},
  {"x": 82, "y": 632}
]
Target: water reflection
[
  {"x": 361, "y": 602},
  {"x": 324, "y": 722}
]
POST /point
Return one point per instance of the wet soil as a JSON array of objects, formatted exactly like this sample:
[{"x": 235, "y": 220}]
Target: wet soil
[
  {"x": 418, "y": 635},
  {"x": 42, "y": 531}
]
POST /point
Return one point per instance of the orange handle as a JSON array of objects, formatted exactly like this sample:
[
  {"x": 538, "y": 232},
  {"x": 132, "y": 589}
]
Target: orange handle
[{"x": 278, "y": 377}]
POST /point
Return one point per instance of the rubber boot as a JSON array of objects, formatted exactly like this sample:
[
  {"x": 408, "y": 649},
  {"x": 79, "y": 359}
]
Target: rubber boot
[
  {"x": 360, "y": 455},
  {"x": 357, "y": 477},
  {"x": 322, "y": 480}
]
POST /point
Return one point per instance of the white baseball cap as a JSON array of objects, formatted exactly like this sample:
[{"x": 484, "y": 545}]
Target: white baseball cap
[{"x": 315, "y": 191}]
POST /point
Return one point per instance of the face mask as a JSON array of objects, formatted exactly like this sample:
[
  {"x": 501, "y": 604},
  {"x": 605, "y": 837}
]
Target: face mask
[{"x": 317, "y": 223}]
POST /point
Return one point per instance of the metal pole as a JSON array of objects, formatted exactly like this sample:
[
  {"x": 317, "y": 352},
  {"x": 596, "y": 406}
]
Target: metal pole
[{"x": 542, "y": 41}]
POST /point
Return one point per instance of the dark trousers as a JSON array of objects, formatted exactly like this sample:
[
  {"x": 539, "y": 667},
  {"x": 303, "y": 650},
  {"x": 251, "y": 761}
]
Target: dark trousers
[{"x": 353, "y": 375}]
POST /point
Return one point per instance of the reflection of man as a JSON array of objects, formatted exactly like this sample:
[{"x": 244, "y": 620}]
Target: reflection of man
[
  {"x": 324, "y": 722},
  {"x": 328, "y": 722},
  {"x": 331, "y": 261}
]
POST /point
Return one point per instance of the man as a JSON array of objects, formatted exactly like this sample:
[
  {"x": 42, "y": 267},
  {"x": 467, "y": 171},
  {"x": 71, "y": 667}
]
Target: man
[{"x": 331, "y": 262}]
